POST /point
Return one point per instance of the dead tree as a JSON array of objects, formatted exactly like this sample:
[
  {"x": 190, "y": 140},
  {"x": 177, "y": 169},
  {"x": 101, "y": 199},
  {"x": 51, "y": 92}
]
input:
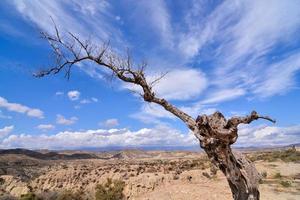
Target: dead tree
[{"x": 215, "y": 133}]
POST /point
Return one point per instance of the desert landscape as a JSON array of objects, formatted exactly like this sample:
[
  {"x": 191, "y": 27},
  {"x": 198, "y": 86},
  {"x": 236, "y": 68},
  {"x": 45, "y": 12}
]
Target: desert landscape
[
  {"x": 149, "y": 100},
  {"x": 139, "y": 175}
]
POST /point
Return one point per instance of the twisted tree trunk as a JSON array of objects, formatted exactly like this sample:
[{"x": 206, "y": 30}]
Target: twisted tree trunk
[
  {"x": 215, "y": 133},
  {"x": 241, "y": 175}
]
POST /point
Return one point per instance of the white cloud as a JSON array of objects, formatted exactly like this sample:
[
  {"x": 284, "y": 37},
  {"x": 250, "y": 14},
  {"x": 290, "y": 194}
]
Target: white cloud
[
  {"x": 151, "y": 113},
  {"x": 88, "y": 101},
  {"x": 45, "y": 127},
  {"x": 6, "y": 130},
  {"x": 245, "y": 36},
  {"x": 233, "y": 42},
  {"x": 109, "y": 123},
  {"x": 59, "y": 93},
  {"x": 158, "y": 137},
  {"x": 73, "y": 95},
  {"x": 35, "y": 113},
  {"x": 223, "y": 95},
  {"x": 85, "y": 101},
  {"x": 179, "y": 84},
  {"x": 91, "y": 14},
  {"x": 64, "y": 121},
  {"x": 279, "y": 77},
  {"x": 263, "y": 135},
  {"x": 15, "y": 107},
  {"x": 3, "y": 116},
  {"x": 77, "y": 107},
  {"x": 94, "y": 99},
  {"x": 157, "y": 18}
]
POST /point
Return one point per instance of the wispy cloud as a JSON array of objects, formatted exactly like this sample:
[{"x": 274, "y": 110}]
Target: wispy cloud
[
  {"x": 157, "y": 19},
  {"x": 60, "y": 119},
  {"x": 279, "y": 77},
  {"x": 216, "y": 53},
  {"x": 264, "y": 135},
  {"x": 16, "y": 107},
  {"x": 240, "y": 40},
  {"x": 59, "y": 93},
  {"x": 109, "y": 123},
  {"x": 4, "y": 116},
  {"x": 6, "y": 130},
  {"x": 223, "y": 95},
  {"x": 178, "y": 84},
  {"x": 84, "y": 24},
  {"x": 89, "y": 100},
  {"x": 45, "y": 127}
]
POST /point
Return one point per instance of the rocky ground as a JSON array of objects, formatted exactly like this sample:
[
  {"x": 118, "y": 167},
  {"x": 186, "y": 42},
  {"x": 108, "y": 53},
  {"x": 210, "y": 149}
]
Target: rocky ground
[{"x": 147, "y": 174}]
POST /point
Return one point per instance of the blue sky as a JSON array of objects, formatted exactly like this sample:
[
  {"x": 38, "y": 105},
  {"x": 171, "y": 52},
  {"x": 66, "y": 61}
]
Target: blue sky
[{"x": 231, "y": 56}]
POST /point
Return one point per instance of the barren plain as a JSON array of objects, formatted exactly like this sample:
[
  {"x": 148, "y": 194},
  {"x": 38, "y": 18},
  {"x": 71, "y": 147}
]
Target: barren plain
[{"x": 145, "y": 175}]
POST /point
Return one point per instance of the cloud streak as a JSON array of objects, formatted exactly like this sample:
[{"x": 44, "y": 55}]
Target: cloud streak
[
  {"x": 64, "y": 121},
  {"x": 19, "y": 108},
  {"x": 45, "y": 127}
]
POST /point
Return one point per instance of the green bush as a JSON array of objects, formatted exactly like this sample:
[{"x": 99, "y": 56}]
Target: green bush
[
  {"x": 111, "y": 190},
  {"x": 277, "y": 176},
  {"x": 286, "y": 183}
]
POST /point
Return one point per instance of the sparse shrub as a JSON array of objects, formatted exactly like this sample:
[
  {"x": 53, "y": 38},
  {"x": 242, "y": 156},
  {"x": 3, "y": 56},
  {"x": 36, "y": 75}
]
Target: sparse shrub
[
  {"x": 2, "y": 181},
  {"x": 111, "y": 190},
  {"x": 64, "y": 166},
  {"x": 286, "y": 183},
  {"x": 30, "y": 196},
  {"x": 264, "y": 174},
  {"x": 289, "y": 155},
  {"x": 7, "y": 197},
  {"x": 277, "y": 175},
  {"x": 175, "y": 177},
  {"x": 69, "y": 195},
  {"x": 206, "y": 175}
]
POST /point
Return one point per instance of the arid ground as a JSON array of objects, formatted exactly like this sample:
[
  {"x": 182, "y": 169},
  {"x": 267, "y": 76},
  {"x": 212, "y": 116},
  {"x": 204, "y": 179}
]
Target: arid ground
[{"x": 145, "y": 174}]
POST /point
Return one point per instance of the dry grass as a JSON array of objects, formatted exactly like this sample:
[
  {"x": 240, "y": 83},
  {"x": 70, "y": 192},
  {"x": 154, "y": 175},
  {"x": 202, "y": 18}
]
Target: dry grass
[
  {"x": 111, "y": 190},
  {"x": 289, "y": 155}
]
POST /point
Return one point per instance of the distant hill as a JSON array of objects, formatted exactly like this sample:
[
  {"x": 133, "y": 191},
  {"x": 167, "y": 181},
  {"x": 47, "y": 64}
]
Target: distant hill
[
  {"x": 49, "y": 155},
  {"x": 120, "y": 153}
]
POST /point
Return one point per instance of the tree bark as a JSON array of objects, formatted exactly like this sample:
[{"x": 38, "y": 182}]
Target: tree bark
[
  {"x": 216, "y": 137},
  {"x": 241, "y": 175}
]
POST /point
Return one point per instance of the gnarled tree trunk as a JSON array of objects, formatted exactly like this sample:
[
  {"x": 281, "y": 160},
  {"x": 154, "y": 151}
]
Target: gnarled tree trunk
[
  {"x": 241, "y": 175},
  {"x": 215, "y": 133}
]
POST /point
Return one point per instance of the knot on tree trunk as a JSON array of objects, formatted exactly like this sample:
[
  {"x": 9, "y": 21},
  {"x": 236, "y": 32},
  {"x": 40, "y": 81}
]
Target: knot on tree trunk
[{"x": 215, "y": 129}]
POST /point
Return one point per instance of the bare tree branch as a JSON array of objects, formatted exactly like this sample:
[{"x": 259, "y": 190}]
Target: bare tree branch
[
  {"x": 71, "y": 53},
  {"x": 235, "y": 121}
]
